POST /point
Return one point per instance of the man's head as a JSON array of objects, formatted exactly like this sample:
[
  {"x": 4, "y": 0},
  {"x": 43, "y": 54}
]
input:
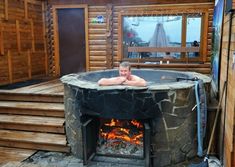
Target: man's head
[{"x": 125, "y": 69}]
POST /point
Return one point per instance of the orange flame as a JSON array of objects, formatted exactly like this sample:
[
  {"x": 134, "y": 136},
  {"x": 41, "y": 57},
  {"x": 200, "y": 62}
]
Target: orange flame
[
  {"x": 123, "y": 133},
  {"x": 137, "y": 124},
  {"x": 112, "y": 123}
]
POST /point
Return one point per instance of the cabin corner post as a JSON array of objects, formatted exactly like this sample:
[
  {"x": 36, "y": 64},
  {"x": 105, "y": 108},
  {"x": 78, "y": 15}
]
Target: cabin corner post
[
  {"x": 29, "y": 57},
  {"x": 204, "y": 37},
  {"x": 85, "y": 7},
  {"x": 1, "y": 40},
  {"x": 56, "y": 41},
  {"x": 18, "y": 35},
  {"x": 6, "y": 9},
  {"x": 26, "y": 9},
  {"x": 45, "y": 38},
  {"x": 109, "y": 36},
  {"x": 120, "y": 38},
  {"x": 9, "y": 62}
]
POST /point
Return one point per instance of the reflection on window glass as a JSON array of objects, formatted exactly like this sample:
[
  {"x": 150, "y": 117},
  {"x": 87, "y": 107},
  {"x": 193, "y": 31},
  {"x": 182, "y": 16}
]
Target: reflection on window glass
[
  {"x": 151, "y": 31},
  {"x": 193, "y": 33}
]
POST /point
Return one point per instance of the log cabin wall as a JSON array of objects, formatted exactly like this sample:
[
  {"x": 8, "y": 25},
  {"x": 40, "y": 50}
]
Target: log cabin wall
[
  {"x": 187, "y": 7},
  {"x": 228, "y": 74},
  {"x": 103, "y": 37},
  {"x": 23, "y": 53}
]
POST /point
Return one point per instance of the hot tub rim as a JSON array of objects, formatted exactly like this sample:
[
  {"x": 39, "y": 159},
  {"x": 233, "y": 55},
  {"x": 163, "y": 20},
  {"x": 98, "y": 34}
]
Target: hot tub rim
[{"x": 72, "y": 79}]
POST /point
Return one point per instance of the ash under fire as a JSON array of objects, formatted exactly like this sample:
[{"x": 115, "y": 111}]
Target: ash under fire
[{"x": 120, "y": 137}]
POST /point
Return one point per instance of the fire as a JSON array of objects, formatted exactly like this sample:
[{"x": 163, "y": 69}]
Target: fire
[
  {"x": 123, "y": 130},
  {"x": 136, "y": 123},
  {"x": 112, "y": 123}
]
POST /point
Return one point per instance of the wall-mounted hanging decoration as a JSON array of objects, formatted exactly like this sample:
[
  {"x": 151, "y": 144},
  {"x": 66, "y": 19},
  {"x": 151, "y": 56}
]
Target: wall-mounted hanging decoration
[{"x": 98, "y": 19}]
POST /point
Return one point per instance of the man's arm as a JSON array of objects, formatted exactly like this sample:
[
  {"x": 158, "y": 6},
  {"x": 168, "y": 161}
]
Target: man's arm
[
  {"x": 111, "y": 81},
  {"x": 135, "y": 81}
]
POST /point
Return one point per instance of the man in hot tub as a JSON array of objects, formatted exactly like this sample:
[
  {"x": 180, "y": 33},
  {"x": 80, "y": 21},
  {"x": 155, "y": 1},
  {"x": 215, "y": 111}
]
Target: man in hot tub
[{"x": 125, "y": 77}]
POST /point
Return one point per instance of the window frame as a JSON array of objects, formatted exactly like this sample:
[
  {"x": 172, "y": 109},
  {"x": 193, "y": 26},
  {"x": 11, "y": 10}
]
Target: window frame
[{"x": 183, "y": 49}]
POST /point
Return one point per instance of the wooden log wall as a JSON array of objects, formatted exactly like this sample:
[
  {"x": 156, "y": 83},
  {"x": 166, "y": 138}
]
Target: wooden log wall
[
  {"x": 228, "y": 107},
  {"x": 98, "y": 45},
  {"x": 97, "y": 39},
  {"x": 22, "y": 41},
  {"x": 103, "y": 37}
]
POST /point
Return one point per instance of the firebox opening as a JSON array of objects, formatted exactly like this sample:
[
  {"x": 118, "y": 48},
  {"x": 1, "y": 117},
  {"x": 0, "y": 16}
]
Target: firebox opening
[
  {"x": 121, "y": 138},
  {"x": 115, "y": 138}
]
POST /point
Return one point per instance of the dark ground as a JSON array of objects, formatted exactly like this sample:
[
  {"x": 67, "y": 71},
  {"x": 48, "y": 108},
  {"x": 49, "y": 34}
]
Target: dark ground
[{"x": 56, "y": 159}]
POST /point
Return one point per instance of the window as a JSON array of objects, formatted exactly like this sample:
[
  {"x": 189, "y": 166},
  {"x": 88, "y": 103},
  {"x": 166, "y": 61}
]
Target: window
[
  {"x": 176, "y": 36},
  {"x": 193, "y": 33}
]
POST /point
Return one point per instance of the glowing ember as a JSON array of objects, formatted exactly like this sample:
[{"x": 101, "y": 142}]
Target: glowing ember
[
  {"x": 136, "y": 123},
  {"x": 121, "y": 136}
]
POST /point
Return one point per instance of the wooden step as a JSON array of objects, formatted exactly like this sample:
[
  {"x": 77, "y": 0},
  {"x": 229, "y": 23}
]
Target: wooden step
[
  {"x": 33, "y": 140},
  {"x": 40, "y": 87},
  {"x": 32, "y": 108},
  {"x": 32, "y": 123},
  {"x": 14, "y": 154},
  {"x": 38, "y": 97}
]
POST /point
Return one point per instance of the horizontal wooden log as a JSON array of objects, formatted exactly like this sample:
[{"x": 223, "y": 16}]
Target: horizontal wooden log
[
  {"x": 98, "y": 64},
  {"x": 96, "y": 8},
  {"x": 97, "y": 37},
  {"x": 96, "y": 68},
  {"x": 90, "y": 20},
  {"x": 172, "y": 65},
  {"x": 97, "y": 47},
  {"x": 25, "y": 78},
  {"x": 163, "y": 49},
  {"x": 94, "y": 14},
  {"x": 97, "y": 31},
  {"x": 97, "y": 53},
  {"x": 97, "y": 42},
  {"x": 94, "y": 25},
  {"x": 115, "y": 42},
  {"x": 97, "y": 58},
  {"x": 200, "y": 70}
]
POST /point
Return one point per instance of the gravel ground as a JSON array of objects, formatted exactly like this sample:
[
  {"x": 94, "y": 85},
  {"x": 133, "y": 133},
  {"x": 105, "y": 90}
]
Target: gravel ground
[{"x": 56, "y": 159}]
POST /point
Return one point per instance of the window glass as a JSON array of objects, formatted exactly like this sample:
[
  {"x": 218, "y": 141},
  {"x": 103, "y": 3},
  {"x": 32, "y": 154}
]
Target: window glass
[
  {"x": 151, "y": 31},
  {"x": 193, "y": 33}
]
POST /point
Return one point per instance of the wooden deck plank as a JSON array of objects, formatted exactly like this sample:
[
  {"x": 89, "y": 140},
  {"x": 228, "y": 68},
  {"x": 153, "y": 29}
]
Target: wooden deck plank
[
  {"x": 32, "y": 123},
  {"x": 56, "y": 97},
  {"x": 59, "y": 90},
  {"x": 37, "y": 88},
  {"x": 33, "y": 128},
  {"x": 38, "y": 117},
  {"x": 36, "y": 146},
  {"x": 22, "y": 89},
  {"x": 32, "y": 105},
  {"x": 32, "y": 137},
  {"x": 14, "y": 154},
  {"x": 49, "y": 89},
  {"x": 41, "y": 88},
  {"x": 36, "y": 112},
  {"x": 32, "y": 120},
  {"x": 44, "y": 89}
]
